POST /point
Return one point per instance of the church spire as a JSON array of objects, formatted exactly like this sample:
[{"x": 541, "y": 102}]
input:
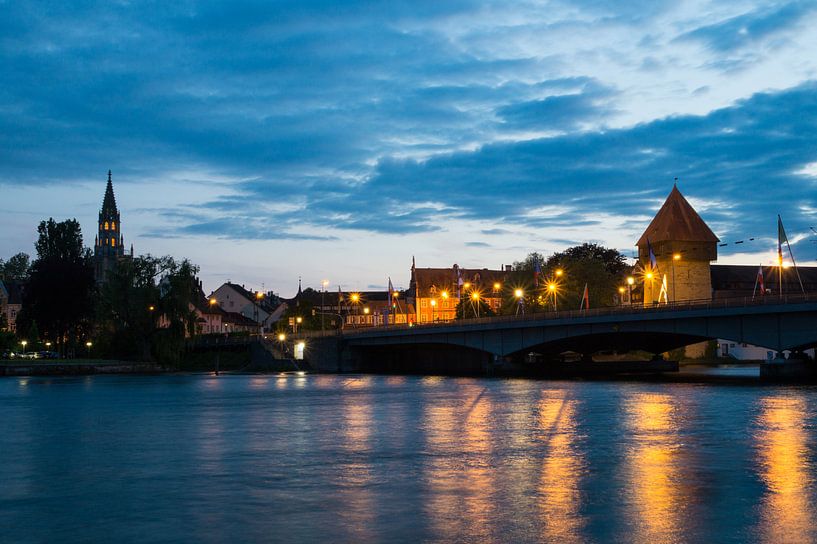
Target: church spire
[{"x": 109, "y": 202}]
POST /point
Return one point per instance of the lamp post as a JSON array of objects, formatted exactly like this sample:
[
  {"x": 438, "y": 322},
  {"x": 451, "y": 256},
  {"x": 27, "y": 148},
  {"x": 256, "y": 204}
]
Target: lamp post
[
  {"x": 433, "y": 305},
  {"x": 88, "y": 345},
  {"x": 520, "y": 300},
  {"x": 365, "y": 315},
  {"x": 552, "y": 292},
  {"x": 298, "y": 321},
  {"x": 24, "y": 343},
  {"x": 444, "y": 296},
  {"x": 282, "y": 338},
  {"x": 355, "y": 298},
  {"x": 675, "y": 257},
  {"x": 324, "y": 284},
  {"x": 630, "y": 282},
  {"x": 621, "y": 292},
  {"x": 497, "y": 287},
  {"x": 475, "y": 300},
  {"x": 394, "y": 307}
]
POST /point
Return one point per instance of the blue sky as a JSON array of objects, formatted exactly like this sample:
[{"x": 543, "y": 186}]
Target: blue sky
[{"x": 336, "y": 140}]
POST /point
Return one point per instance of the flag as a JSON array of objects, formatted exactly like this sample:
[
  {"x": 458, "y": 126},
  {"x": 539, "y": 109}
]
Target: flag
[
  {"x": 781, "y": 237},
  {"x": 585, "y": 303},
  {"x": 340, "y": 296},
  {"x": 760, "y": 283},
  {"x": 653, "y": 262},
  {"x": 536, "y": 272}
]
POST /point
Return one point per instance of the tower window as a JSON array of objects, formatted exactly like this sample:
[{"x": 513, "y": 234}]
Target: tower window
[
  {"x": 106, "y": 225},
  {"x": 113, "y": 225},
  {"x": 113, "y": 242}
]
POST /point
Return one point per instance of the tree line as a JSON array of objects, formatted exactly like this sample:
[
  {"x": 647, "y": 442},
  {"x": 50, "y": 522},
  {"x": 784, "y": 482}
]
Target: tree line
[{"x": 141, "y": 312}]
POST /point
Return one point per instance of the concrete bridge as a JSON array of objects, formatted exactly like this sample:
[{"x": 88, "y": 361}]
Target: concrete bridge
[{"x": 777, "y": 323}]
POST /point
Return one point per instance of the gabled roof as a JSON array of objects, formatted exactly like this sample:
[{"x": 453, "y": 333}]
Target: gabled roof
[{"x": 677, "y": 221}]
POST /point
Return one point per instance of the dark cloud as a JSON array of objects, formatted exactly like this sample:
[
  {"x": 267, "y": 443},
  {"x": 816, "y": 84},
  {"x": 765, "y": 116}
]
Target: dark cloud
[{"x": 750, "y": 28}]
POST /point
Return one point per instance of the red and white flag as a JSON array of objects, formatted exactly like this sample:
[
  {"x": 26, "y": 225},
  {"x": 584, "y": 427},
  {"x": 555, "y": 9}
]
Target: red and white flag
[{"x": 760, "y": 284}]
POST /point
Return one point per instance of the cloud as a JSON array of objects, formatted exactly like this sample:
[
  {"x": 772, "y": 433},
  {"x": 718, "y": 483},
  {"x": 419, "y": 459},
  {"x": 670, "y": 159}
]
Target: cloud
[{"x": 750, "y": 28}]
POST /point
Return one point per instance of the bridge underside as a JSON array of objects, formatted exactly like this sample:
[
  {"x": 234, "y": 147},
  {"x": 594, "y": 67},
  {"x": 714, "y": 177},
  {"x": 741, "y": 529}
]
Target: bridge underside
[{"x": 618, "y": 342}]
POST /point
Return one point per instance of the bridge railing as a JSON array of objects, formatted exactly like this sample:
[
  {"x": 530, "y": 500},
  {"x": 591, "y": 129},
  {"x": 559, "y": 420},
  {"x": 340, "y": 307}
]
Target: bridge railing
[{"x": 627, "y": 309}]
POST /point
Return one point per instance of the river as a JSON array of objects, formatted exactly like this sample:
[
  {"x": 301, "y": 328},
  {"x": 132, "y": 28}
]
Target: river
[{"x": 354, "y": 458}]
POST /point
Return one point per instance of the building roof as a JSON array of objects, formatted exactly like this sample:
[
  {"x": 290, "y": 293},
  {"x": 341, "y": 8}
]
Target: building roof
[
  {"x": 15, "y": 289},
  {"x": 109, "y": 202},
  {"x": 441, "y": 279},
  {"x": 236, "y": 318},
  {"x": 736, "y": 279},
  {"x": 677, "y": 221}
]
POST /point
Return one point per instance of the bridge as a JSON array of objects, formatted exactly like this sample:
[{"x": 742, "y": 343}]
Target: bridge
[{"x": 786, "y": 323}]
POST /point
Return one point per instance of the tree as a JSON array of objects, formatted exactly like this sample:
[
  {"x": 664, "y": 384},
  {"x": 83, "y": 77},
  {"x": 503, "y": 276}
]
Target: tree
[
  {"x": 613, "y": 260},
  {"x": 16, "y": 268},
  {"x": 468, "y": 308},
  {"x": 146, "y": 308},
  {"x": 60, "y": 292},
  {"x": 598, "y": 267}
]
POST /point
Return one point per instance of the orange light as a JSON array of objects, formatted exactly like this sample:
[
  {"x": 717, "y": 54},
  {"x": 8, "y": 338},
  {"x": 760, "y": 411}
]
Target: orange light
[
  {"x": 630, "y": 280},
  {"x": 475, "y": 296},
  {"x": 497, "y": 286},
  {"x": 676, "y": 257},
  {"x": 466, "y": 285},
  {"x": 621, "y": 290},
  {"x": 559, "y": 272},
  {"x": 649, "y": 275},
  {"x": 551, "y": 287},
  {"x": 444, "y": 294},
  {"x": 518, "y": 293},
  {"x": 213, "y": 302},
  {"x": 355, "y": 297}
]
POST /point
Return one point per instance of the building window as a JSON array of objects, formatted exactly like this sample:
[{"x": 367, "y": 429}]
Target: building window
[
  {"x": 106, "y": 225},
  {"x": 113, "y": 225},
  {"x": 423, "y": 303},
  {"x": 113, "y": 242}
]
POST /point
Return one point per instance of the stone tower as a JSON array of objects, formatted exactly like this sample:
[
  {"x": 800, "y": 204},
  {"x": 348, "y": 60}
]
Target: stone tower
[
  {"x": 109, "y": 245},
  {"x": 683, "y": 246}
]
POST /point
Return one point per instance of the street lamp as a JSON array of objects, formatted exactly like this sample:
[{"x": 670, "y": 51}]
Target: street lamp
[
  {"x": 366, "y": 315},
  {"x": 475, "y": 299},
  {"x": 559, "y": 272},
  {"x": 444, "y": 296},
  {"x": 88, "y": 345},
  {"x": 552, "y": 292},
  {"x": 24, "y": 343},
  {"x": 520, "y": 300},
  {"x": 282, "y": 338},
  {"x": 298, "y": 321},
  {"x": 630, "y": 282},
  {"x": 433, "y": 305},
  {"x": 497, "y": 287},
  {"x": 324, "y": 284},
  {"x": 355, "y": 299},
  {"x": 621, "y": 292}
]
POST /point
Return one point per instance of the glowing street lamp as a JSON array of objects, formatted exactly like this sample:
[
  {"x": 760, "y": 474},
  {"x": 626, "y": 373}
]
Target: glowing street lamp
[
  {"x": 433, "y": 305},
  {"x": 88, "y": 345},
  {"x": 552, "y": 292},
  {"x": 324, "y": 285},
  {"x": 559, "y": 272},
  {"x": 630, "y": 282},
  {"x": 520, "y": 300},
  {"x": 621, "y": 291},
  {"x": 24, "y": 343},
  {"x": 475, "y": 299}
]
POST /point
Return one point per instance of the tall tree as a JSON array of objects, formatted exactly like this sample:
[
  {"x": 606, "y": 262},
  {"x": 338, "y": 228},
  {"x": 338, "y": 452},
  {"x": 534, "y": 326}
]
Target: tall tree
[
  {"x": 16, "y": 268},
  {"x": 612, "y": 259},
  {"x": 59, "y": 296}
]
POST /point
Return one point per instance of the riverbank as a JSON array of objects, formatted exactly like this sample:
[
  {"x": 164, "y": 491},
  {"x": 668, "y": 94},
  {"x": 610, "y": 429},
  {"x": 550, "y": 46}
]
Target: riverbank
[{"x": 77, "y": 367}]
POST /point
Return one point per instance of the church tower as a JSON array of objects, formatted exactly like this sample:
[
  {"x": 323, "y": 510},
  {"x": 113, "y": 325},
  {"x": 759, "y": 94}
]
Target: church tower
[
  {"x": 109, "y": 245},
  {"x": 675, "y": 252}
]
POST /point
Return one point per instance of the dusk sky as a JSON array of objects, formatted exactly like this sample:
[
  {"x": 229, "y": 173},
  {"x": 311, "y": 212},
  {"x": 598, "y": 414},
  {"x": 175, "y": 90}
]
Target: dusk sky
[{"x": 335, "y": 140}]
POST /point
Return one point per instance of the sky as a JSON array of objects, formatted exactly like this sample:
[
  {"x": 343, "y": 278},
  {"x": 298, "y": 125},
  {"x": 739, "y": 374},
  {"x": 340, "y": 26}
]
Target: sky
[{"x": 272, "y": 140}]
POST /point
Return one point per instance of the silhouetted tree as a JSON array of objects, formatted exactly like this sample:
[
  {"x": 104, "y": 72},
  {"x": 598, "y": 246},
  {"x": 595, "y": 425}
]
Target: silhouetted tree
[
  {"x": 59, "y": 295},
  {"x": 16, "y": 268}
]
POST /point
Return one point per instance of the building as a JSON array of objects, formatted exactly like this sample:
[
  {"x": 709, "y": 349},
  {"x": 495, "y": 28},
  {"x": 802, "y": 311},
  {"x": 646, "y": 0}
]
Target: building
[
  {"x": 262, "y": 308},
  {"x": 11, "y": 302},
  {"x": 109, "y": 244},
  {"x": 436, "y": 292},
  {"x": 674, "y": 254}
]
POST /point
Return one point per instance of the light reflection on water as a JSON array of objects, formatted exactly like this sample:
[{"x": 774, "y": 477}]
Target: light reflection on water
[
  {"x": 404, "y": 459},
  {"x": 783, "y": 447}
]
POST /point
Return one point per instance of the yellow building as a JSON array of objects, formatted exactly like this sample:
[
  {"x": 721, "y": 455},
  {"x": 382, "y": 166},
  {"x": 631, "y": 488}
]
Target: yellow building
[
  {"x": 682, "y": 247},
  {"x": 436, "y": 292}
]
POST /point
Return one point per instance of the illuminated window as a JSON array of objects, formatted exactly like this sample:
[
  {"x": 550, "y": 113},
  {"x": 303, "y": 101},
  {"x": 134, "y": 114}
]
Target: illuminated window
[
  {"x": 106, "y": 225},
  {"x": 113, "y": 242},
  {"x": 113, "y": 225}
]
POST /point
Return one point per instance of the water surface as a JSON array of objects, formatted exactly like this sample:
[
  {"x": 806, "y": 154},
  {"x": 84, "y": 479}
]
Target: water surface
[{"x": 403, "y": 459}]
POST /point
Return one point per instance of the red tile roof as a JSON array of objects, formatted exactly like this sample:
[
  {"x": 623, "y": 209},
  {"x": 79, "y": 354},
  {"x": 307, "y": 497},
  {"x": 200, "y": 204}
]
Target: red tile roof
[{"x": 677, "y": 221}]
